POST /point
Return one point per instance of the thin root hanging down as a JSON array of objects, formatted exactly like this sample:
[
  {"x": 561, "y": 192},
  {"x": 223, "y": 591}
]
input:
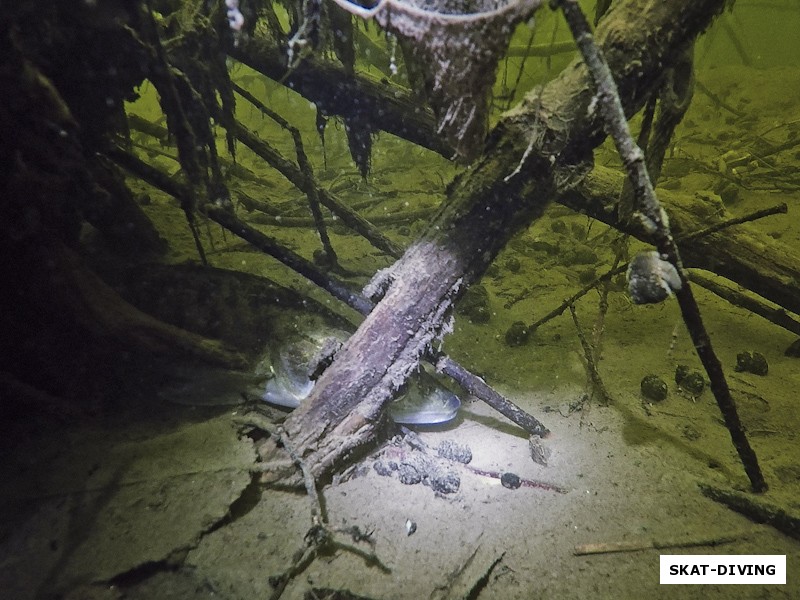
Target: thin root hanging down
[{"x": 457, "y": 51}]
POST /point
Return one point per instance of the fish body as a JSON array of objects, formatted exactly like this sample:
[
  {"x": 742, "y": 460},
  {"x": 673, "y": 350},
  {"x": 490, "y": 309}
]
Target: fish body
[{"x": 424, "y": 401}]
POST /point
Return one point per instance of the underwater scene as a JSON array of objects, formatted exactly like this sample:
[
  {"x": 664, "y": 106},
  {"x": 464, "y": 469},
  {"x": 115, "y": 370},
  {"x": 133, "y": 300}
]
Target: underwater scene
[{"x": 399, "y": 299}]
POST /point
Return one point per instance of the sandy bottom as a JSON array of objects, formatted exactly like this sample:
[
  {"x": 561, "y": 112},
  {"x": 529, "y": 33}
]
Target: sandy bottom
[{"x": 162, "y": 505}]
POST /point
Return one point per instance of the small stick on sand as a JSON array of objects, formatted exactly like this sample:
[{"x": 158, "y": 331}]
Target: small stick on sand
[{"x": 639, "y": 545}]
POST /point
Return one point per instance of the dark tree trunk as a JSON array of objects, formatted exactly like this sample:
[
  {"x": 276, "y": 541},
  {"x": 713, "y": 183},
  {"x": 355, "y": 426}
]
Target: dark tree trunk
[{"x": 535, "y": 151}]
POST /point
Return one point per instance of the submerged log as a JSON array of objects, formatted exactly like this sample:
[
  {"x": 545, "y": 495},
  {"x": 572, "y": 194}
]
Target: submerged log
[{"x": 537, "y": 150}]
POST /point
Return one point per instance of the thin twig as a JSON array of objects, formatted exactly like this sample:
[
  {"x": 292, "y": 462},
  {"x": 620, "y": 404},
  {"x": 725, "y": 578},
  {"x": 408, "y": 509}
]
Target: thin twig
[
  {"x": 311, "y": 186},
  {"x": 639, "y": 545},
  {"x": 591, "y": 366},
  {"x": 717, "y": 100},
  {"x": 758, "y": 214},
  {"x": 293, "y": 173},
  {"x": 655, "y": 221},
  {"x": 229, "y": 221}
]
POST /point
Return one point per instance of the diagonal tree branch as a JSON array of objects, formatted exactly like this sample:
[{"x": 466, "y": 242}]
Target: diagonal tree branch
[
  {"x": 535, "y": 149},
  {"x": 656, "y": 222}
]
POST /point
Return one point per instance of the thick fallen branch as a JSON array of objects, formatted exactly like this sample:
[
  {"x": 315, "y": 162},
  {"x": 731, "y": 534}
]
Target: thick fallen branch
[
  {"x": 334, "y": 91},
  {"x": 547, "y": 137},
  {"x": 469, "y": 382},
  {"x": 739, "y": 257},
  {"x": 740, "y": 254}
]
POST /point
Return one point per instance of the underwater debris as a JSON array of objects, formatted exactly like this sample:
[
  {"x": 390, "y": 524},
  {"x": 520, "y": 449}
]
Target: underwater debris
[
  {"x": 689, "y": 380},
  {"x": 751, "y": 362},
  {"x": 654, "y": 388},
  {"x": 651, "y": 279},
  {"x": 411, "y": 527},
  {"x": 296, "y": 365}
]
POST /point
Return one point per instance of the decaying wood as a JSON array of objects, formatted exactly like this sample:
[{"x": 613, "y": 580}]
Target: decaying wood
[
  {"x": 334, "y": 92},
  {"x": 740, "y": 258},
  {"x": 532, "y": 153},
  {"x": 228, "y": 220},
  {"x": 756, "y": 508},
  {"x": 786, "y": 321},
  {"x": 468, "y": 381}
]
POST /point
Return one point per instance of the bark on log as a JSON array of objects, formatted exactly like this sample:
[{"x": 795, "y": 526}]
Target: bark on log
[{"x": 530, "y": 154}]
